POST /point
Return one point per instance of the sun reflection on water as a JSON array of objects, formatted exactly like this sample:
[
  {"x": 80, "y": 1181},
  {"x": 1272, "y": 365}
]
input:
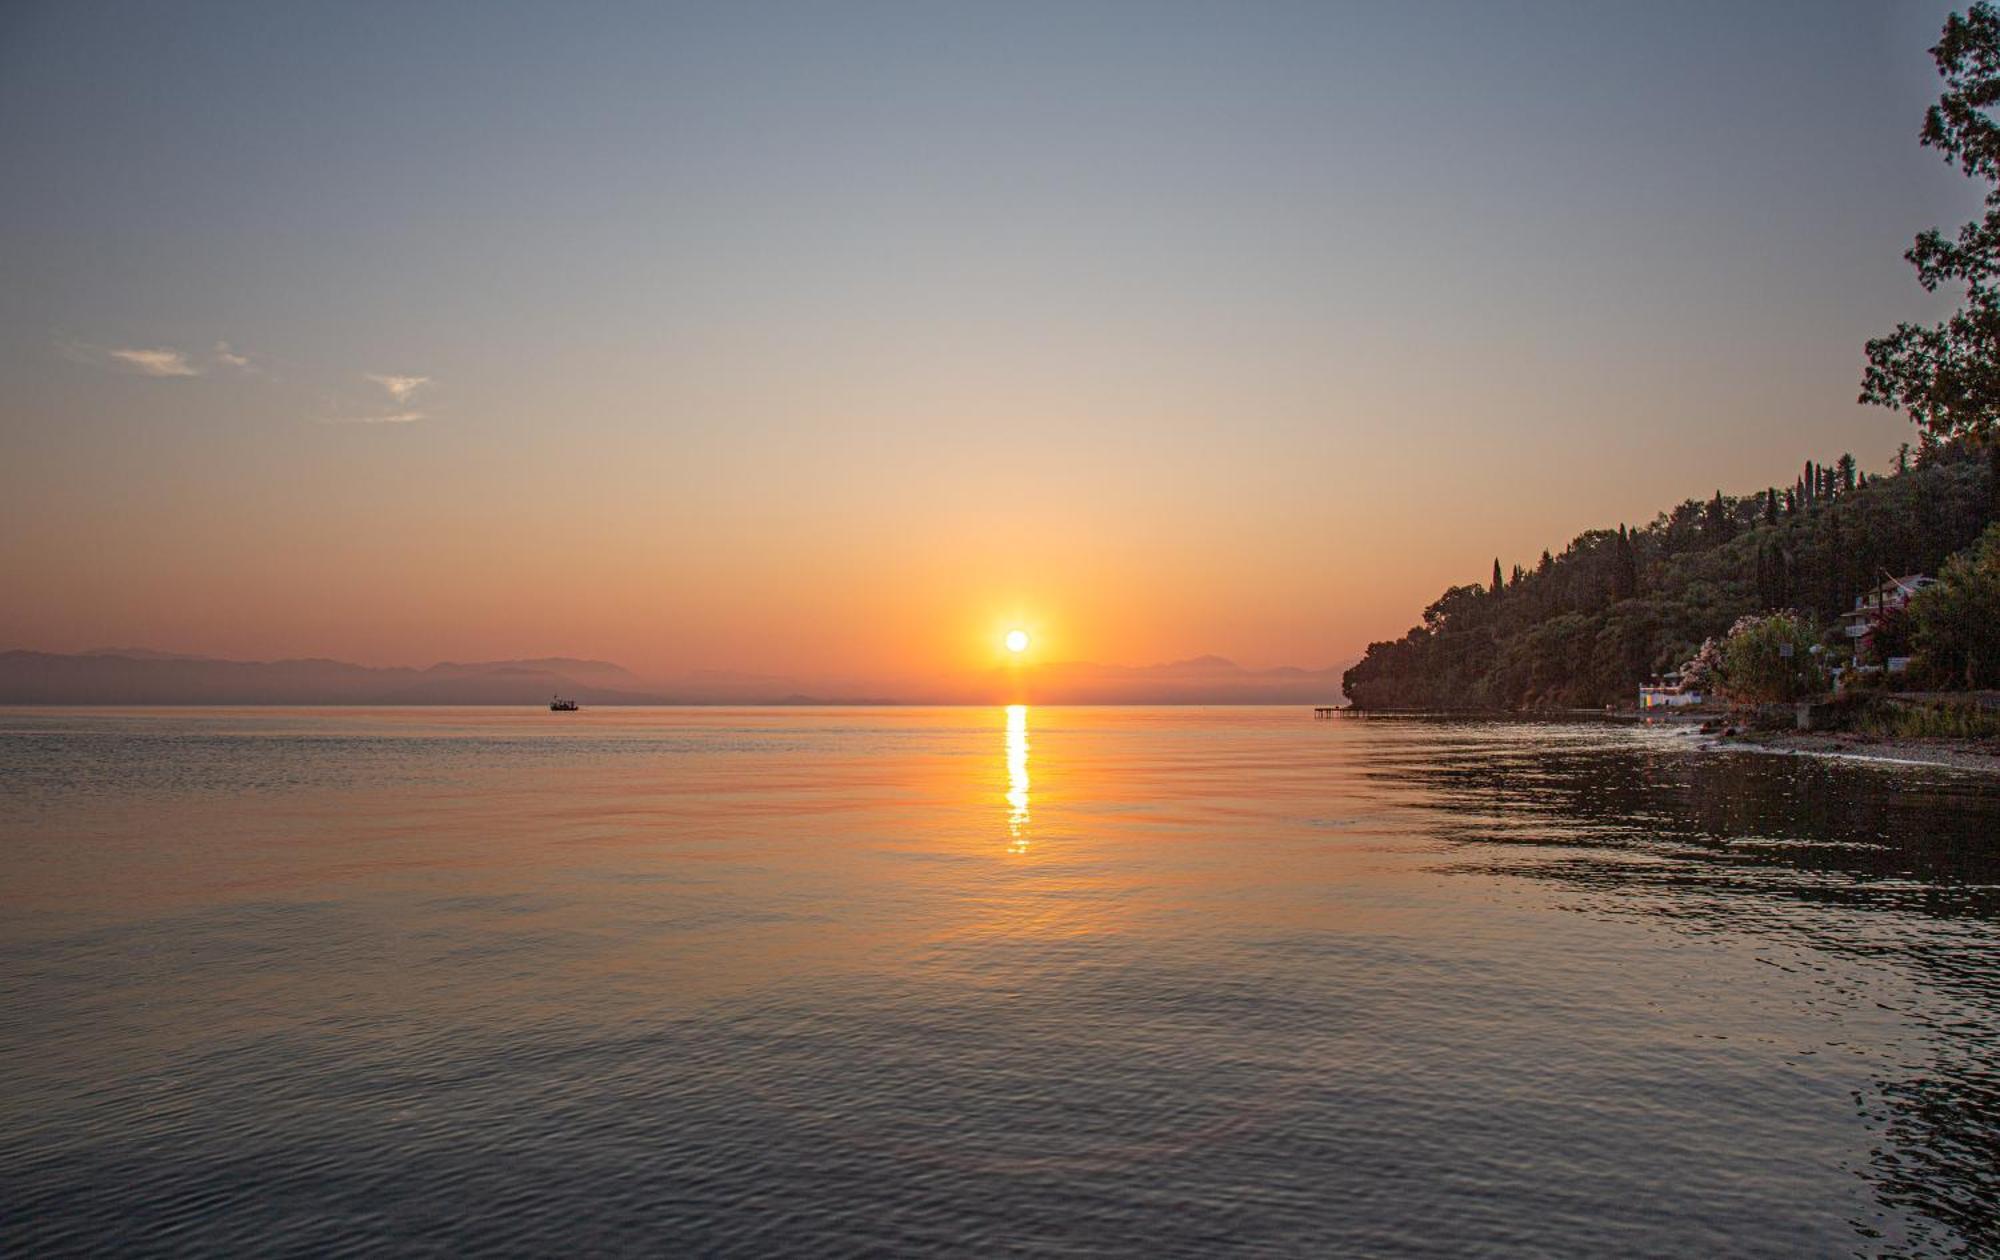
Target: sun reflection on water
[{"x": 1017, "y": 778}]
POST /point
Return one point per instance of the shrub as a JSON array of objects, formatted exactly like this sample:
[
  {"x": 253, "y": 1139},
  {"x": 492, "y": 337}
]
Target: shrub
[
  {"x": 1704, "y": 668},
  {"x": 1930, "y": 721},
  {"x": 1888, "y": 634},
  {"x": 1770, "y": 659}
]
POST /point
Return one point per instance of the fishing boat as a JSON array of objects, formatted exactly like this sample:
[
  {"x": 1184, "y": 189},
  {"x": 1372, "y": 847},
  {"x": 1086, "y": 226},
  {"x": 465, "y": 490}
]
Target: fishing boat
[{"x": 559, "y": 705}]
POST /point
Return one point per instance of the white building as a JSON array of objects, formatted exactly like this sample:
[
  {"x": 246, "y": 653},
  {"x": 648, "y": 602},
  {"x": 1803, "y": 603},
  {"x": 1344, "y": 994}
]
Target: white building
[
  {"x": 1667, "y": 693},
  {"x": 1886, "y": 598}
]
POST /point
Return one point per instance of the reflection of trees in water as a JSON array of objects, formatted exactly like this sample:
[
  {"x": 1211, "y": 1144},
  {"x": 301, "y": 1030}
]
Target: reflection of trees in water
[{"x": 1886, "y": 864}]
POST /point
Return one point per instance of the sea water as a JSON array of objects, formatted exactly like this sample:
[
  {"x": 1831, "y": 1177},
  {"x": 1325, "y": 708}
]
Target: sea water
[{"x": 1145, "y": 981}]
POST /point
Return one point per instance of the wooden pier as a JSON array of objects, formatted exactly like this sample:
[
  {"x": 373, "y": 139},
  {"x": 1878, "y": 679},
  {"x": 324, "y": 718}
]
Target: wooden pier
[{"x": 1325, "y": 710}]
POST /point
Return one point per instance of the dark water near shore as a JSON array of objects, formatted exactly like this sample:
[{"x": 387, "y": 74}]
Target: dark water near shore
[{"x": 1148, "y": 981}]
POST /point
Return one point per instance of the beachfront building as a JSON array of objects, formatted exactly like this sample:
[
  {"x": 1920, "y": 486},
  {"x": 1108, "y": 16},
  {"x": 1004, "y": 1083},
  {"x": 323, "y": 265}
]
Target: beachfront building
[
  {"x": 1891, "y": 596},
  {"x": 1666, "y": 692}
]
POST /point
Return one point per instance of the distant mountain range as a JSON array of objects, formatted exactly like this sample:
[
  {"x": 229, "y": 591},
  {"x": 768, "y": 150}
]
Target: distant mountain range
[
  {"x": 137, "y": 676},
  {"x": 140, "y": 676}
]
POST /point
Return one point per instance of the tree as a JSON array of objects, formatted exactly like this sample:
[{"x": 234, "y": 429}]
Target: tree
[
  {"x": 1771, "y": 590},
  {"x": 1717, "y": 523},
  {"x": 1771, "y": 506},
  {"x": 1955, "y": 625},
  {"x": 1888, "y": 634},
  {"x": 1625, "y": 568},
  {"x": 1846, "y": 467},
  {"x": 1451, "y": 608},
  {"x": 1946, "y": 377},
  {"x": 1499, "y": 583}
]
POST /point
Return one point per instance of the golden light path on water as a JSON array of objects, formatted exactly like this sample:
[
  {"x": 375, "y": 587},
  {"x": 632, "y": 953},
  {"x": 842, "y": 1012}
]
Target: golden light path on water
[{"x": 1017, "y": 778}]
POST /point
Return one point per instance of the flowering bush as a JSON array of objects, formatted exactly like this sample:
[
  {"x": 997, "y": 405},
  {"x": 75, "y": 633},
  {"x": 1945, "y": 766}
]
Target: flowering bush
[
  {"x": 1703, "y": 669},
  {"x": 1770, "y": 658}
]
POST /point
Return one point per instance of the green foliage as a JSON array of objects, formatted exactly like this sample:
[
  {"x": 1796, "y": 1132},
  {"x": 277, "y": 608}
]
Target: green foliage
[
  {"x": 1587, "y": 627},
  {"x": 1770, "y": 659},
  {"x": 1889, "y": 635},
  {"x": 1955, "y": 625},
  {"x": 1947, "y": 376},
  {"x": 1902, "y": 720}
]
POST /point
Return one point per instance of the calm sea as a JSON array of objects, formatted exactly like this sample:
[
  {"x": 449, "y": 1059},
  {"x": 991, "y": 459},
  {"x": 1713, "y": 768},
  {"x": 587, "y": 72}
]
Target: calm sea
[{"x": 979, "y": 981}]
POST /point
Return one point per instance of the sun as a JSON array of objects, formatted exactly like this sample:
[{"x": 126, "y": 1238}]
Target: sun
[{"x": 1017, "y": 641}]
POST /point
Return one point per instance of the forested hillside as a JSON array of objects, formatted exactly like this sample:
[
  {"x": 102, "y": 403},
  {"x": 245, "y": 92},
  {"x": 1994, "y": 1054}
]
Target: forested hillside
[{"x": 1587, "y": 626}]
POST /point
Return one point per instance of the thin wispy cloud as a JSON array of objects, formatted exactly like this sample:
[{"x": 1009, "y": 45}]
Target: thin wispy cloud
[
  {"x": 394, "y": 417},
  {"x": 225, "y": 359},
  {"x": 160, "y": 362},
  {"x": 164, "y": 361},
  {"x": 400, "y": 387}
]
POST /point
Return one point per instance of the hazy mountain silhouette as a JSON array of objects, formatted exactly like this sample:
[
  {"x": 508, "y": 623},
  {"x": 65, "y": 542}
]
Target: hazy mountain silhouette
[{"x": 139, "y": 676}]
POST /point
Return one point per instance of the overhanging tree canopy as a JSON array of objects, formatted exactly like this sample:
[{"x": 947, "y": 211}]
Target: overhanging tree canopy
[{"x": 1946, "y": 376}]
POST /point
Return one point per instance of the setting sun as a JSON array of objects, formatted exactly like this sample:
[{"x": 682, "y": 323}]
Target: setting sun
[{"x": 1017, "y": 641}]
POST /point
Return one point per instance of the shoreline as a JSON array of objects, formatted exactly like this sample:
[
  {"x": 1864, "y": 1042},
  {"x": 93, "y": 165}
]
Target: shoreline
[
  {"x": 1947, "y": 754},
  {"x": 1940, "y": 752}
]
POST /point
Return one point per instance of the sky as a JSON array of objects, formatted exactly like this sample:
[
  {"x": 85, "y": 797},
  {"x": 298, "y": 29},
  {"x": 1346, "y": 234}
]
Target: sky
[{"x": 832, "y": 341}]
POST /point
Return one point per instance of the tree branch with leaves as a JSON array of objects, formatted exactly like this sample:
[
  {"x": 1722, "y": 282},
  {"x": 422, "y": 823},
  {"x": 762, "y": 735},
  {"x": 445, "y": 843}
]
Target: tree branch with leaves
[{"x": 1946, "y": 376}]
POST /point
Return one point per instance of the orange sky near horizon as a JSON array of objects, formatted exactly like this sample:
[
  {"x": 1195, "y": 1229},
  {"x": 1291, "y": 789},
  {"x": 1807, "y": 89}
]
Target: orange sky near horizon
[{"x": 908, "y": 566}]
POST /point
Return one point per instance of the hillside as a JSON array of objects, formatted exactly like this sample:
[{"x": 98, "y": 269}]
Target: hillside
[{"x": 1585, "y": 627}]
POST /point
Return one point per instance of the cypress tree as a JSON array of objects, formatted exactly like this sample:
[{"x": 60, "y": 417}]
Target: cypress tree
[
  {"x": 1499, "y": 583},
  {"x": 1771, "y": 506},
  {"x": 1992, "y": 478},
  {"x": 1628, "y": 564},
  {"x": 1721, "y": 524}
]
